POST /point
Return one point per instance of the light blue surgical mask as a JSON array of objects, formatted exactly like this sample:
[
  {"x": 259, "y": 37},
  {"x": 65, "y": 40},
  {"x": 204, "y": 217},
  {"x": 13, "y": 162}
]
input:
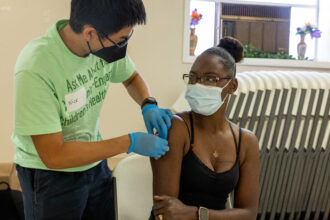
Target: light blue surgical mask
[{"x": 204, "y": 100}]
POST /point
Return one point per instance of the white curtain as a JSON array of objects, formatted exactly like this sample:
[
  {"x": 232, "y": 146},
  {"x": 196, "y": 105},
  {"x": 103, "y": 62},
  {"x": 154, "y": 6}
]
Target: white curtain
[
  {"x": 323, "y": 53},
  {"x": 296, "y": 2}
]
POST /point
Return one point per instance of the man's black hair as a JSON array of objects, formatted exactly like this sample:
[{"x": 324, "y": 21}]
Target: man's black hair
[{"x": 106, "y": 16}]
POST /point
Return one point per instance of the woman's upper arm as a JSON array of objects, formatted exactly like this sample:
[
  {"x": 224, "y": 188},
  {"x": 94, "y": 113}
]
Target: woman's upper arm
[
  {"x": 167, "y": 169},
  {"x": 247, "y": 190}
]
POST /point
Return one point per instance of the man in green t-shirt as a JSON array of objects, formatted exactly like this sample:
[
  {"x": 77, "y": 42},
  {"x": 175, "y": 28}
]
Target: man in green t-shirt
[{"x": 61, "y": 80}]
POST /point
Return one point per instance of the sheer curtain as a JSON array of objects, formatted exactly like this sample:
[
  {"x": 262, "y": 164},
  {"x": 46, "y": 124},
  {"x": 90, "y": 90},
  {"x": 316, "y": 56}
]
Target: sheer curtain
[
  {"x": 298, "y": 2},
  {"x": 323, "y": 53},
  {"x": 205, "y": 28}
]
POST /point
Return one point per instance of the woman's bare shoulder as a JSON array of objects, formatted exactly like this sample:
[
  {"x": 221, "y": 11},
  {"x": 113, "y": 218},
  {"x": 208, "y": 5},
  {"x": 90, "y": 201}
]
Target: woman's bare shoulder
[
  {"x": 180, "y": 122},
  {"x": 178, "y": 138},
  {"x": 180, "y": 130},
  {"x": 249, "y": 145},
  {"x": 249, "y": 135}
]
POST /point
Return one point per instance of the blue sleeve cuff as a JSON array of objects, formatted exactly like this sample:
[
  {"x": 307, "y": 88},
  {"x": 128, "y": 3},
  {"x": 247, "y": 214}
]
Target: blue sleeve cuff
[
  {"x": 147, "y": 107},
  {"x": 130, "y": 150}
]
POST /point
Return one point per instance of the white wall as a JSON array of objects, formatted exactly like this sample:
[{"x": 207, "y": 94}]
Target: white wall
[{"x": 156, "y": 49}]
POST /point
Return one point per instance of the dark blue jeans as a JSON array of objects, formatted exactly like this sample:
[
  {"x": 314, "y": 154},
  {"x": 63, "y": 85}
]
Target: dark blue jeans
[{"x": 62, "y": 195}]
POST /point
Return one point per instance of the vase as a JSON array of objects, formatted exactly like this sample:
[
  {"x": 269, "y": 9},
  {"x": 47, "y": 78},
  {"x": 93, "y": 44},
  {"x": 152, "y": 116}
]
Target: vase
[
  {"x": 301, "y": 47},
  {"x": 193, "y": 42}
]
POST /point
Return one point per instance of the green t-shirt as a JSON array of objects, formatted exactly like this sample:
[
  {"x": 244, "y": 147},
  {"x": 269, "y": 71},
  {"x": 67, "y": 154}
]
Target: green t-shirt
[{"x": 57, "y": 91}]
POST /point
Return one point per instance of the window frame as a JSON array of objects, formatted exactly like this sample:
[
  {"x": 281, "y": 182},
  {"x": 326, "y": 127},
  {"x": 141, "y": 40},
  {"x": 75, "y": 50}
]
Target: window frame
[{"x": 252, "y": 61}]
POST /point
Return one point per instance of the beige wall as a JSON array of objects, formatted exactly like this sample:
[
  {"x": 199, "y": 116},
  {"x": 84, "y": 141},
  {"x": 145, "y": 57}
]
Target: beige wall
[
  {"x": 21, "y": 21},
  {"x": 156, "y": 49}
]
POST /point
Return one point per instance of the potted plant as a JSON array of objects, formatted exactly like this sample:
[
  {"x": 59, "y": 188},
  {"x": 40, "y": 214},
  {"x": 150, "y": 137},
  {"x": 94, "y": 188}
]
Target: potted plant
[{"x": 302, "y": 31}]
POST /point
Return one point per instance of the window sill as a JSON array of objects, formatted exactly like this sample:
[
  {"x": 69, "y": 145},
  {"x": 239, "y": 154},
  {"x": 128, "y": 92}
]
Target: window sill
[{"x": 276, "y": 63}]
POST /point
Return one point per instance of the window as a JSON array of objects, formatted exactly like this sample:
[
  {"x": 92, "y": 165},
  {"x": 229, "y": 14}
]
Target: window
[
  {"x": 265, "y": 27},
  {"x": 269, "y": 25}
]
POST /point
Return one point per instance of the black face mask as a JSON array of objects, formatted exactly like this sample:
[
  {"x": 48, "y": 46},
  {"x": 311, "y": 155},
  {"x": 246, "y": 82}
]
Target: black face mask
[{"x": 109, "y": 54}]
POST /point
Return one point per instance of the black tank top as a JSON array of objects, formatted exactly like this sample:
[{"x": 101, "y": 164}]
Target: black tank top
[{"x": 201, "y": 186}]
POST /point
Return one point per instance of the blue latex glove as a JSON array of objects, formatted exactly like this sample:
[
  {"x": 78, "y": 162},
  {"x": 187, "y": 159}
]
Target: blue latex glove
[
  {"x": 148, "y": 145},
  {"x": 157, "y": 118}
]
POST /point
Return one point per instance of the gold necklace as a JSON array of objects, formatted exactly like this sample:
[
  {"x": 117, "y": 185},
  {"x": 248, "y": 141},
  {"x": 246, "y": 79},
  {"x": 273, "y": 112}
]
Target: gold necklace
[{"x": 215, "y": 154}]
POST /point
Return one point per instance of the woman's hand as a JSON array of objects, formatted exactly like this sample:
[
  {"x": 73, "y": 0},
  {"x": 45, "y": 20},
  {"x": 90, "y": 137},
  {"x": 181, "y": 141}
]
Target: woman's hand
[{"x": 173, "y": 209}]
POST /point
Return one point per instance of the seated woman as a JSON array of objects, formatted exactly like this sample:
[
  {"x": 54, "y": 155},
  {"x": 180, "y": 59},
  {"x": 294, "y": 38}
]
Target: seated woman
[{"x": 209, "y": 156}]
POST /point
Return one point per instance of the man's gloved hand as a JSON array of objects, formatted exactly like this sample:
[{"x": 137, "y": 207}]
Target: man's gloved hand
[
  {"x": 148, "y": 145},
  {"x": 157, "y": 118}
]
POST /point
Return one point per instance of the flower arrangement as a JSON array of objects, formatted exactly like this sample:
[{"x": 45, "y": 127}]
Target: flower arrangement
[
  {"x": 309, "y": 29},
  {"x": 195, "y": 18}
]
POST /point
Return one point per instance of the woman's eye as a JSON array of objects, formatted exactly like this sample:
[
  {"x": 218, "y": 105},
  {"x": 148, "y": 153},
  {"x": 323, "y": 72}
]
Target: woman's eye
[{"x": 211, "y": 79}]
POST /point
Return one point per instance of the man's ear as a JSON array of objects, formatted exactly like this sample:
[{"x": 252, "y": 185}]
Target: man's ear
[{"x": 89, "y": 33}]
